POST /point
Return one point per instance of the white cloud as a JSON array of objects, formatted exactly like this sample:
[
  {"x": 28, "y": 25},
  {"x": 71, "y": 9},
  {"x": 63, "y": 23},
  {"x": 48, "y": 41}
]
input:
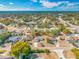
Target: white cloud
[
  {"x": 41, "y": 1},
  {"x": 50, "y": 4},
  {"x": 11, "y": 3},
  {"x": 69, "y": 3},
  {"x": 35, "y": 0},
  {"x": 72, "y": 4}
]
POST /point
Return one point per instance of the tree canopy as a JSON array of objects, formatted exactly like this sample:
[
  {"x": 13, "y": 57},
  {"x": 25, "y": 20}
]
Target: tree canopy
[{"x": 20, "y": 47}]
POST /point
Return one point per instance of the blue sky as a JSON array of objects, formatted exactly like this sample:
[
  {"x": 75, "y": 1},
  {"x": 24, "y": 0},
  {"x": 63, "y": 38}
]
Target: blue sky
[{"x": 39, "y": 5}]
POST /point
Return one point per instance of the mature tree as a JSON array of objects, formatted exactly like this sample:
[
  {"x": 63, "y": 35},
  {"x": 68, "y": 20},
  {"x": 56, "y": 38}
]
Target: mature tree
[
  {"x": 61, "y": 26},
  {"x": 6, "y": 21},
  {"x": 4, "y": 36},
  {"x": 20, "y": 48},
  {"x": 76, "y": 52},
  {"x": 66, "y": 31},
  {"x": 54, "y": 31}
]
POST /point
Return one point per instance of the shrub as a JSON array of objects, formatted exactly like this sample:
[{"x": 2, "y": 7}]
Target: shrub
[
  {"x": 4, "y": 36},
  {"x": 66, "y": 31},
  {"x": 76, "y": 52},
  {"x": 40, "y": 51},
  {"x": 54, "y": 31},
  {"x": 20, "y": 47},
  {"x": 2, "y": 51}
]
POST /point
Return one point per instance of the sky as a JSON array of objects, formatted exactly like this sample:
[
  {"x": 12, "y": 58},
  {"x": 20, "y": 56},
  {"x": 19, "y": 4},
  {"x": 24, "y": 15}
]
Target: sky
[{"x": 39, "y": 5}]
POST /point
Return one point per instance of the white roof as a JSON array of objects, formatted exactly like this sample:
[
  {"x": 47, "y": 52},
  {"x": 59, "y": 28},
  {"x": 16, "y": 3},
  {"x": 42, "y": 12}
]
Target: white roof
[
  {"x": 39, "y": 58},
  {"x": 14, "y": 38}
]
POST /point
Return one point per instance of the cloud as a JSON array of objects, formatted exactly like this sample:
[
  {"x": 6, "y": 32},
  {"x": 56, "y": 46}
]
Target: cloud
[
  {"x": 41, "y": 1},
  {"x": 45, "y": 5},
  {"x": 69, "y": 6},
  {"x": 34, "y": 0},
  {"x": 11, "y": 3},
  {"x": 72, "y": 4},
  {"x": 48, "y": 4}
]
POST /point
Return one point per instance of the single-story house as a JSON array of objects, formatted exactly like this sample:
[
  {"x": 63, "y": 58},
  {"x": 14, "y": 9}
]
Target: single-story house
[
  {"x": 52, "y": 40},
  {"x": 14, "y": 38},
  {"x": 2, "y": 26},
  {"x": 39, "y": 58},
  {"x": 73, "y": 37},
  {"x": 27, "y": 37},
  {"x": 38, "y": 38},
  {"x": 6, "y": 57}
]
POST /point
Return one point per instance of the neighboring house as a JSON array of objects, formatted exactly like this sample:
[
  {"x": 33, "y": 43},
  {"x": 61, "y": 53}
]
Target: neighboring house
[
  {"x": 50, "y": 25},
  {"x": 39, "y": 58},
  {"x": 52, "y": 40},
  {"x": 2, "y": 26},
  {"x": 13, "y": 24},
  {"x": 6, "y": 57},
  {"x": 35, "y": 56},
  {"x": 27, "y": 37},
  {"x": 14, "y": 38},
  {"x": 74, "y": 38},
  {"x": 76, "y": 41},
  {"x": 38, "y": 38},
  {"x": 35, "y": 44},
  {"x": 2, "y": 31},
  {"x": 72, "y": 35},
  {"x": 62, "y": 37},
  {"x": 77, "y": 45},
  {"x": 15, "y": 32}
]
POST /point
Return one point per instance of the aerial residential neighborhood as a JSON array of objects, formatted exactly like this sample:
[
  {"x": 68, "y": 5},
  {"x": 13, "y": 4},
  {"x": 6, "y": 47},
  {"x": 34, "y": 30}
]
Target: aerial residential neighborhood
[{"x": 39, "y": 36}]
